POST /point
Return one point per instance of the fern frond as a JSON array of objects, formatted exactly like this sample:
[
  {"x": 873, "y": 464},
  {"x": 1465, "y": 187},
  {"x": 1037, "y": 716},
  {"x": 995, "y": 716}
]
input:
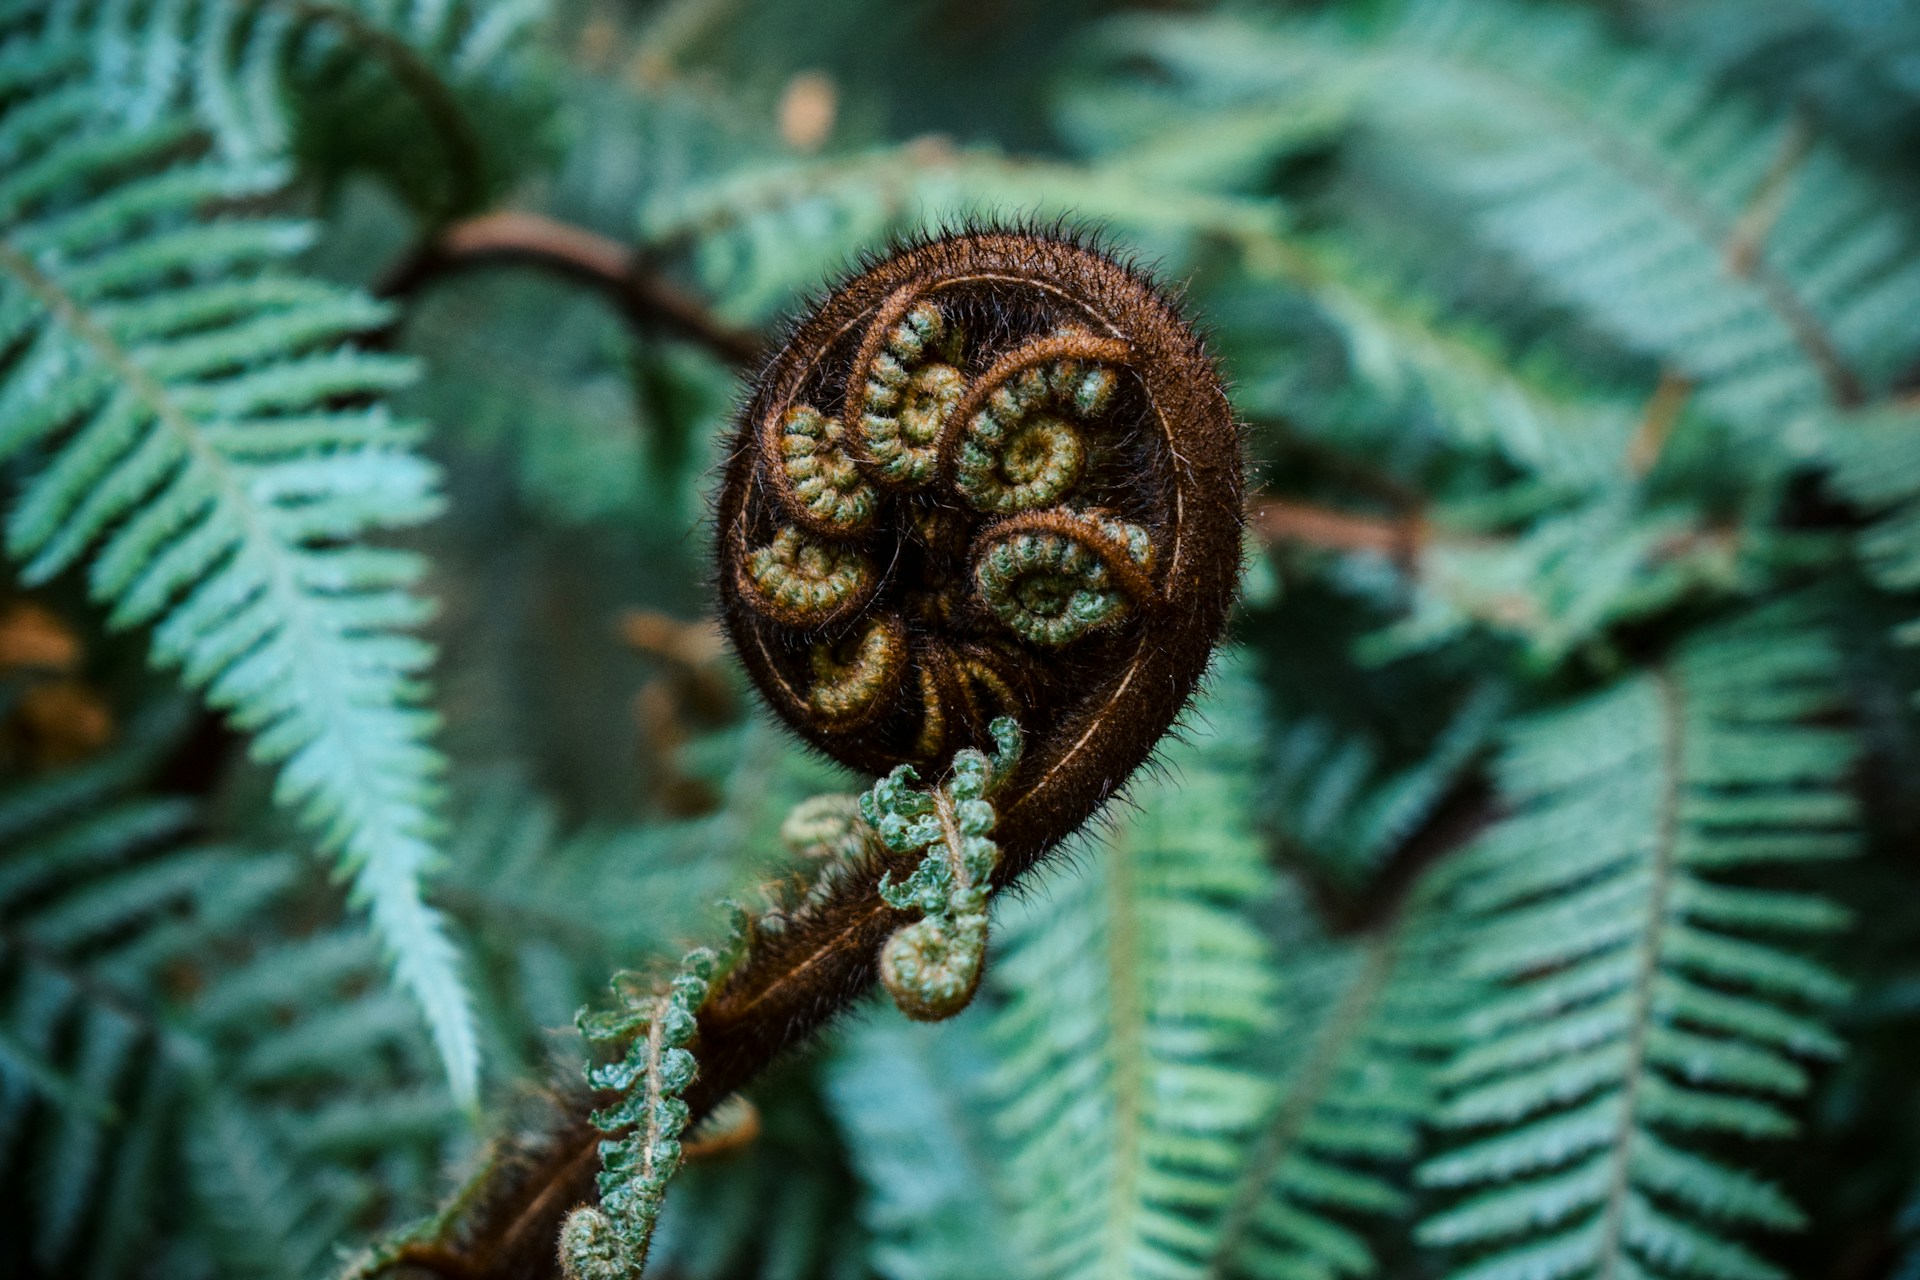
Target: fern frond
[
  {"x": 1652, "y": 1004},
  {"x": 1694, "y": 228},
  {"x": 1563, "y": 580},
  {"x": 1129, "y": 991},
  {"x": 1875, "y": 456},
  {"x": 1341, "y": 812},
  {"x": 1689, "y": 225},
  {"x": 1356, "y": 1057},
  {"x": 909, "y": 1097},
  {"x": 172, "y": 1078},
  {"x": 765, "y": 231},
  {"x": 174, "y": 399},
  {"x": 1407, "y": 355},
  {"x": 781, "y": 1209},
  {"x": 440, "y": 99}
]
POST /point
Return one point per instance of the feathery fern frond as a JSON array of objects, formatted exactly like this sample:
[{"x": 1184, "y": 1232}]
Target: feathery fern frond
[
  {"x": 1562, "y": 581},
  {"x": 1130, "y": 990},
  {"x": 1875, "y": 457},
  {"x": 1687, "y": 224},
  {"x": 440, "y": 99},
  {"x": 164, "y": 1076},
  {"x": 1694, "y": 228},
  {"x": 553, "y": 914},
  {"x": 909, "y": 1096},
  {"x": 1477, "y": 399},
  {"x": 174, "y": 399},
  {"x": 1651, "y": 1004},
  {"x": 762, "y": 233},
  {"x": 1335, "y": 807},
  {"x": 1364, "y": 1021}
]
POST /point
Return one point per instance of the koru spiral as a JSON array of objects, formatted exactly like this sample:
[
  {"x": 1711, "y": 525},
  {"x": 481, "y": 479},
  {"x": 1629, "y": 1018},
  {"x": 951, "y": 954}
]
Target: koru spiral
[{"x": 992, "y": 474}]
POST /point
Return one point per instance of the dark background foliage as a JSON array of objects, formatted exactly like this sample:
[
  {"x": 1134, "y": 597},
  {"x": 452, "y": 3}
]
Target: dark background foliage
[{"x": 1533, "y": 894}]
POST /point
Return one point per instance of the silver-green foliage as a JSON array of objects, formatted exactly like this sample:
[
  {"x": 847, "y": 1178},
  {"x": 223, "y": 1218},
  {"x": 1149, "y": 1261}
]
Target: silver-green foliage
[
  {"x": 197, "y": 424},
  {"x": 1690, "y": 224},
  {"x": 189, "y": 1080},
  {"x": 1131, "y": 990},
  {"x": 1654, "y": 1004},
  {"x": 910, "y": 1099},
  {"x": 1353, "y": 1064}
]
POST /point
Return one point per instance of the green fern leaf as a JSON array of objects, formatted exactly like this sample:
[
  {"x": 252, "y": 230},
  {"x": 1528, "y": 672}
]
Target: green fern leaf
[
  {"x": 1340, "y": 813},
  {"x": 1875, "y": 457},
  {"x": 1561, "y": 582},
  {"x": 170, "y": 393},
  {"x": 167, "y": 1076},
  {"x": 1355, "y": 1060},
  {"x": 436, "y": 98},
  {"x": 1692, "y": 227},
  {"x": 1129, "y": 990},
  {"x": 1648, "y": 999},
  {"x": 908, "y": 1097}
]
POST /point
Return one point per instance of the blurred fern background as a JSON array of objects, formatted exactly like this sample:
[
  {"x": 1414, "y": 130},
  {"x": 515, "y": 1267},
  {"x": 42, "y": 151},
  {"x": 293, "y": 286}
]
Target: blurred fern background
[{"x": 1534, "y": 895}]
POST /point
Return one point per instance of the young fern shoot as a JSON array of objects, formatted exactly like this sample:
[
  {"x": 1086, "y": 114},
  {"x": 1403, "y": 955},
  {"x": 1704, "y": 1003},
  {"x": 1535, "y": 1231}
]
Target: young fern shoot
[
  {"x": 993, "y": 480},
  {"x": 932, "y": 967}
]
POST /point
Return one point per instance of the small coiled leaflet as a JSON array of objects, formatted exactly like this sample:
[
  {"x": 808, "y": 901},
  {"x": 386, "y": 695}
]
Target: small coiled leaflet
[
  {"x": 823, "y": 488},
  {"x": 932, "y": 967},
  {"x": 849, "y": 691},
  {"x": 906, "y": 393},
  {"x": 805, "y": 580},
  {"x": 1055, "y": 576},
  {"x": 1013, "y": 453}
]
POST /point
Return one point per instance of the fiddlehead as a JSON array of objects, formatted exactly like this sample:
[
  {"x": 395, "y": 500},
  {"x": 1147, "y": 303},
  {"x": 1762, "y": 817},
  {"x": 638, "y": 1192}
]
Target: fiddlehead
[
  {"x": 1053, "y": 576},
  {"x": 994, "y": 475},
  {"x": 1014, "y": 464}
]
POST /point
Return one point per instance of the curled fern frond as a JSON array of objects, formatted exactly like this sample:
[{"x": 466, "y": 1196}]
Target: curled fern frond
[
  {"x": 988, "y": 460},
  {"x": 932, "y": 966},
  {"x": 1163, "y": 504}
]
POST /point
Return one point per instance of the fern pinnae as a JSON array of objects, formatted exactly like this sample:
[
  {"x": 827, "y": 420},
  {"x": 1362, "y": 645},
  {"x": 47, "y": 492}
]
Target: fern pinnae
[
  {"x": 193, "y": 1100},
  {"x": 1335, "y": 1151},
  {"x": 1288, "y": 1119},
  {"x": 1645, "y": 998},
  {"x": 1125, "y": 1096},
  {"x": 151, "y": 361},
  {"x": 1767, "y": 312}
]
